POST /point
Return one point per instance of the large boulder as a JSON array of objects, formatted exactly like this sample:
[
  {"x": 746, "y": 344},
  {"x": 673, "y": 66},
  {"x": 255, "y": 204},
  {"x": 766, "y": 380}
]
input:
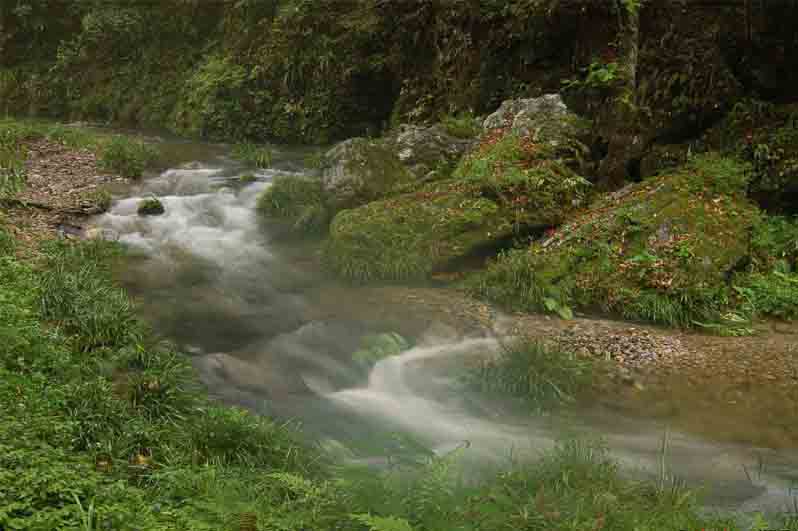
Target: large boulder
[
  {"x": 360, "y": 170},
  {"x": 545, "y": 119},
  {"x": 507, "y": 186},
  {"x": 663, "y": 250},
  {"x": 424, "y": 149}
]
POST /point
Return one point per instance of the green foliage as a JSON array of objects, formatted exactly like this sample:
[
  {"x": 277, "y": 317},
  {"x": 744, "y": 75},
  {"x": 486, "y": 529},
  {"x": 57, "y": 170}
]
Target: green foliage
[
  {"x": 7, "y": 243},
  {"x": 377, "y": 347},
  {"x": 129, "y": 158},
  {"x": 662, "y": 252},
  {"x": 77, "y": 294},
  {"x": 596, "y": 76},
  {"x": 775, "y": 239},
  {"x": 506, "y": 186},
  {"x": 524, "y": 177},
  {"x": 297, "y": 200},
  {"x": 380, "y": 523},
  {"x": 102, "y": 199},
  {"x": 115, "y": 438},
  {"x": 150, "y": 207},
  {"x": 12, "y": 171},
  {"x": 226, "y": 436},
  {"x": 258, "y": 156},
  {"x": 774, "y": 293},
  {"x": 462, "y": 125},
  {"x": 543, "y": 376},
  {"x": 211, "y": 102}
]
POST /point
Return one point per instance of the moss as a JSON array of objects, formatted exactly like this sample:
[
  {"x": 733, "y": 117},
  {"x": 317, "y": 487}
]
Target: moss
[
  {"x": 505, "y": 186},
  {"x": 659, "y": 251},
  {"x": 151, "y": 207},
  {"x": 361, "y": 170},
  {"x": 298, "y": 201},
  {"x": 410, "y": 235}
]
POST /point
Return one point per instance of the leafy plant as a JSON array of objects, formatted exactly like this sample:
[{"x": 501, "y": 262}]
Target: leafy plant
[
  {"x": 127, "y": 157},
  {"x": 597, "y": 76}
]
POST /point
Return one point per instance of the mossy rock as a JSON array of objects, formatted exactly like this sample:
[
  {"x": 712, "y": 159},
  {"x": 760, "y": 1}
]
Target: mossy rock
[
  {"x": 360, "y": 170},
  {"x": 151, "y": 207},
  {"x": 298, "y": 201},
  {"x": 662, "y": 250},
  {"x": 506, "y": 186}
]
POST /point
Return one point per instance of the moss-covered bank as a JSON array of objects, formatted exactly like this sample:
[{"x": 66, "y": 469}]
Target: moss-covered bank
[
  {"x": 676, "y": 249},
  {"x": 509, "y": 185}
]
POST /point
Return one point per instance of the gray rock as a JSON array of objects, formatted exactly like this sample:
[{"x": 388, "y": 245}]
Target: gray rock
[
  {"x": 360, "y": 170},
  {"x": 220, "y": 371},
  {"x": 422, "y": 149},
  {"x": 545, "y": 119}
]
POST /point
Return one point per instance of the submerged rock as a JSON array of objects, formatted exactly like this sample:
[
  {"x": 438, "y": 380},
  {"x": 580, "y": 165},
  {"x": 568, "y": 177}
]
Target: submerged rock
[{"x": 266, "y": 379}]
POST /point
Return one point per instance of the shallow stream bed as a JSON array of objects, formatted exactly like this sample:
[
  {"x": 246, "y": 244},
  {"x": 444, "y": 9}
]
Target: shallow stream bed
[{"x": 269, "y": 331}]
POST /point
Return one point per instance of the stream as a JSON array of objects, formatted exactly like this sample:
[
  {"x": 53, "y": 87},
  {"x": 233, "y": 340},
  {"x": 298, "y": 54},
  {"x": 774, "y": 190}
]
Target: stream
[{"x": 270, "y": 332}]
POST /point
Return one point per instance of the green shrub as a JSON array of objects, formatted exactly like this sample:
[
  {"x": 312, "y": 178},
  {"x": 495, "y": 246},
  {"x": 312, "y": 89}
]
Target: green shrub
[
  {"x": 775, "y": 239},
  {"x": 129, "y": 158},
  {"x": 774, "y": 293},
  {"x": 539, "y": 374}
]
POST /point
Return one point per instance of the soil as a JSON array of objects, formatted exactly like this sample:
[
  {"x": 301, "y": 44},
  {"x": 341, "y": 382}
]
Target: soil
[{"x": 64, "y": 187}]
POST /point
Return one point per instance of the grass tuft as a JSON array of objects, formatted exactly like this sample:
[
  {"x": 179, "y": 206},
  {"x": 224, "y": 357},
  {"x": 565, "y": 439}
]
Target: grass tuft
[{"x": 542, "y": 376}]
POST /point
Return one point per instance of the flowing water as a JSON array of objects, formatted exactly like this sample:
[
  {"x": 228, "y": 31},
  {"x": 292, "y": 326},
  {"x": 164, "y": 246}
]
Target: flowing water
[{"x": 269, "y": 332}]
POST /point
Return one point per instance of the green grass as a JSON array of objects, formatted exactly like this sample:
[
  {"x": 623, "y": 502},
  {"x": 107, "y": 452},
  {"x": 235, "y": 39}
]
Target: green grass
[
  {"x": 258, "y": 156},
  {"x": 297, "y": 201},
  {"x": 105, "y": 427},
  {"x": 461, "y": 125},
  {"x": 127, "y": 157},
  {"x": 540, "y": 375},
  {"x": 119, "y": 154}
]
